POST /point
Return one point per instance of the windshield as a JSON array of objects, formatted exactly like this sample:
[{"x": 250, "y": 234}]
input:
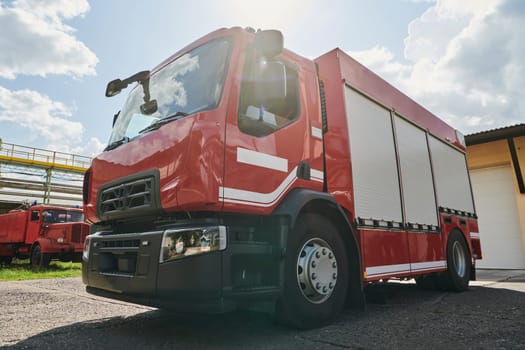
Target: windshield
[
  {"x": 53, "y": 216},
  {"x": 192, "y": 83}
]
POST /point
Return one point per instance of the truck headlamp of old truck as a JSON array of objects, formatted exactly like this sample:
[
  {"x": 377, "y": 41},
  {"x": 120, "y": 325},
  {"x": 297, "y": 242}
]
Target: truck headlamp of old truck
[{"x": 180, "y": 243}]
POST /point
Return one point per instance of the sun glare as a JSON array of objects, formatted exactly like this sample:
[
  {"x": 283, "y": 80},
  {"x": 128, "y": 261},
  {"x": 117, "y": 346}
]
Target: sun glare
[{"x": 275, "y": 14}]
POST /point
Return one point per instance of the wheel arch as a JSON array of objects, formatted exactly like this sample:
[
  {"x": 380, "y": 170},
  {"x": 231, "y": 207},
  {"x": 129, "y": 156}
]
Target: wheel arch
[
  {"x": 462, "y": 234},
  {"x": 301, "y": 201},
  {"x": 44, "y": 244}
]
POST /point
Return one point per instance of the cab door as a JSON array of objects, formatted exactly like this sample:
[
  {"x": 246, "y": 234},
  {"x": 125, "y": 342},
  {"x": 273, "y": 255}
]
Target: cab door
[
  {"x": 33, "y": 225},
  {"x": 267, "y": 151}
]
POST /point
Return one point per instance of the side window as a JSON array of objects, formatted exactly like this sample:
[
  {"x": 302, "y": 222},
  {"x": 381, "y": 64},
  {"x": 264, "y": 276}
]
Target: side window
[
  {"x": 34, "y": 215},
  {"x": 48, "y": 216},
  {"x": 269, "y": 98}
]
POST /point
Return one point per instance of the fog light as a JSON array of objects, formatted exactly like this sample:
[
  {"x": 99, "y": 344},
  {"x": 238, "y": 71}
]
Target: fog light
[{"x": 177, "y": 244}]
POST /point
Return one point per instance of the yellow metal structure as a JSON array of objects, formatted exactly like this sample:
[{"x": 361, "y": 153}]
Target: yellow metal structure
[
  {"x": 30, "y": 156},
  {"x": 48, "y": 161}
]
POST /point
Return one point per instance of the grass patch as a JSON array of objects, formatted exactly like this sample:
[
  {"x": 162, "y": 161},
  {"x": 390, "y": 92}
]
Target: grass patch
[{"x": 21, "y": 270}]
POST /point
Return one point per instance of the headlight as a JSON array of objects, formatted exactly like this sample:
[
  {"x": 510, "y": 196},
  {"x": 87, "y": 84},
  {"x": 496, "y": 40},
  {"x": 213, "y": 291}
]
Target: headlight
[
  {"x": 180, "y": 243},
  {"x": 85, "y": 251}
]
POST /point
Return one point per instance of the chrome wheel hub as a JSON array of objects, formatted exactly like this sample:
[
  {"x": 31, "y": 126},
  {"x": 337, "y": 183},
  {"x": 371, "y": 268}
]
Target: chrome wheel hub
[
  {"x": 316, "y": 270},
  {"x": 459, "y": 259}
]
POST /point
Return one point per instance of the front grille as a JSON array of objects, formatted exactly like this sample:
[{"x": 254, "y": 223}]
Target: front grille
[
  {"x": 79, "y": 232},
  {"x": 76, "y": 233},
  {"x": 129, "y": 197},
  {"x": 130, "y": 243}
]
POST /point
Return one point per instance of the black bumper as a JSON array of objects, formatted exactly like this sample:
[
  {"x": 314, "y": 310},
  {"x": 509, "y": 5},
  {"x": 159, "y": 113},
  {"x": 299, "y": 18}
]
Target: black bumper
[{"x": 126, "y": 267}]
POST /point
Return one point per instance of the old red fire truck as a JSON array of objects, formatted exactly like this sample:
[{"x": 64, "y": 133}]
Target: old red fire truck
[
  {"x": 42, "y": 233},
  {"x": 239, "y": 172}
]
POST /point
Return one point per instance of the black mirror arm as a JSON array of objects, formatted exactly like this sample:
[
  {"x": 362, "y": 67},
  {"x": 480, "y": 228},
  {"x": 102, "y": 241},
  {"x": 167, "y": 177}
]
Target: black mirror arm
[
  {"x": 137, "y": 77},
  {"x": 145, "y": 88}
]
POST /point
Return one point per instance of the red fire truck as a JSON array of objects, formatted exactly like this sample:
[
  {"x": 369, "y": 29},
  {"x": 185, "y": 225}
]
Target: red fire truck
[
  {"x": 239, "y": 172},
  {"x": 42, "y": 233}
]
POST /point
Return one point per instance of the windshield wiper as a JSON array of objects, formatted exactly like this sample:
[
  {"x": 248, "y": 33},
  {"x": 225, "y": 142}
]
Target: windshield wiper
[
  {"x": 117, "y": 143},
  {"x": 160, "y": 122}
]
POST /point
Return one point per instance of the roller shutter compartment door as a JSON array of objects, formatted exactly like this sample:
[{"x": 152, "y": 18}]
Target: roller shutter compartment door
[{"x": 495, "y": 198}]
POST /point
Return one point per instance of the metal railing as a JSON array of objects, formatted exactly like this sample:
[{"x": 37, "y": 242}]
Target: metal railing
[{"x": 43, "y": 157}]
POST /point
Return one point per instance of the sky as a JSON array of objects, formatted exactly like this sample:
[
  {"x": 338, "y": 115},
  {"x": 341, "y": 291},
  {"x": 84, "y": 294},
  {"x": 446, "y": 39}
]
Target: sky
[{"x": 462, "y": 60}]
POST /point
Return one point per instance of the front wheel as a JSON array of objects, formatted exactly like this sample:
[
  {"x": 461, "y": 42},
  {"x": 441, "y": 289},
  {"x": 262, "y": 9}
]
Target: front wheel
[
  {"x": 316, "y": 274},
  {"x": 39, "y": 259}
]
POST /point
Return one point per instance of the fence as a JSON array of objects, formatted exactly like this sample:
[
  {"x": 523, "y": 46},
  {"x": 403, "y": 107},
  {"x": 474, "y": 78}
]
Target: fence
[{"x": 43, "y": 158}]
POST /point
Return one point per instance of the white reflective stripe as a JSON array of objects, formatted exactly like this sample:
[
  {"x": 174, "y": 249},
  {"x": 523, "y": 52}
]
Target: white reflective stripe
[
  {"x": 316, "y": 175},
  {"x": 262, "y": 159},
  {"x": 475, "y": 235},
  {"x": 428, "y": 265},
  {"x": 317, "y": 133},
  {"x": 387, "y": 270},
  {"x": 233, "y": 195}
]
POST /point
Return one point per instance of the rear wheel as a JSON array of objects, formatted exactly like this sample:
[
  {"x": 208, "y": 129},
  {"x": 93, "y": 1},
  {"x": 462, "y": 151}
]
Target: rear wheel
[
  {"x": 316, "y": 274},
  {"x": 39, "y": 259},
  {"x": 457, "y": 276}
]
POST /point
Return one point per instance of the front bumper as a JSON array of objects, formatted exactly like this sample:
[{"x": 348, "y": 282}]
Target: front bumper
[{"x": 126, "y": 267}]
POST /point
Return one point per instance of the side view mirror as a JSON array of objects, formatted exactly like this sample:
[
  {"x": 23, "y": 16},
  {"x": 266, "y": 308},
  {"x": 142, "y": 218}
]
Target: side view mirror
[
  {"x": 268, "y": 43},
  {"x": 271, "y": 83},
  {"x": 149, "y": 107},
  {"x": 114, "y": 87}
]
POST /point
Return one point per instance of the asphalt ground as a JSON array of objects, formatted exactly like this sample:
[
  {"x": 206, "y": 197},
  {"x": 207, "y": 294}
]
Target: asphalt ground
[{"x": 59, "y": 314}]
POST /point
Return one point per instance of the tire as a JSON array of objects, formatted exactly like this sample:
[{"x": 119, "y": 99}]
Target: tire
[
  {"x": 457, "y": 276},
  {"x": 316, "y": 274},
  {"x": 38, "y": 259}
]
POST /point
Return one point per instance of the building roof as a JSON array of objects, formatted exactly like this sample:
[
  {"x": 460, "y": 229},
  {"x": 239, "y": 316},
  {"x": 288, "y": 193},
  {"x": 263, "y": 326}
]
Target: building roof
[{"x": 495, "y": 134}]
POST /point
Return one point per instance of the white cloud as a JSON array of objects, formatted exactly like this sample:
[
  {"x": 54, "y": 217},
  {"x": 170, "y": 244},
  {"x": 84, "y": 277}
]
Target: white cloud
[
  {"x": 465, "y": 62},
  {"x": 46, "y": 120},
  {"x": 36, "y": 41},
  {"x": 39, "y": 114},
  {"x": 92, "y": 148},
  {"x": 380, "y": 59}
]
